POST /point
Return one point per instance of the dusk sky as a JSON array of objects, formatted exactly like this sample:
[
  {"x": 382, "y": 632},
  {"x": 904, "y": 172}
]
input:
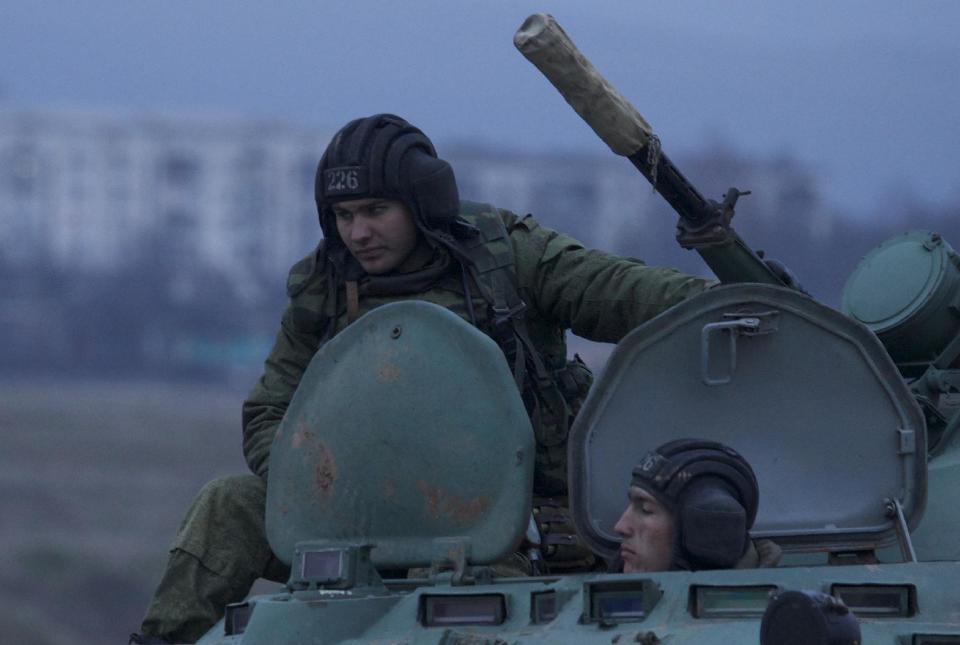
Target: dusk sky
[{"x": 868, "y": 92}]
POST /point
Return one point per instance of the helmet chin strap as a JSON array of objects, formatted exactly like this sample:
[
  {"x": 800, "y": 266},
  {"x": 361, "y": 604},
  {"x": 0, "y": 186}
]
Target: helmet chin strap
[
  {"x": 678, "y": 562},
  {"x": 418, "y": 257}
]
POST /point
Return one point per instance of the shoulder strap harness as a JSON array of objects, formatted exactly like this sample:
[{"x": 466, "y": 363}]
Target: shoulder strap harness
[{"x": 493, "y": 266}]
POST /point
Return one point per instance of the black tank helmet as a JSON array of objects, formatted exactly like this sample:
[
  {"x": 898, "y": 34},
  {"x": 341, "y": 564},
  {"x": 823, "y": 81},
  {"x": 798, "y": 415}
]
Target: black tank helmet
[
  {"x": 713, "y": 494},
  {"x": 385, "y": 156}
]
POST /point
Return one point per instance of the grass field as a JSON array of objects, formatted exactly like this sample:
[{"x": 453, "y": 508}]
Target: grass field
[{"x": 94, "y": 480}]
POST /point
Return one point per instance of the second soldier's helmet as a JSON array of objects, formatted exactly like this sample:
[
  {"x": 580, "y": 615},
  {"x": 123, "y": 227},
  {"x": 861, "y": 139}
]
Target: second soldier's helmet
[
  {"x": 713, "y": 494},
  {"x": 385, "y": 156}
]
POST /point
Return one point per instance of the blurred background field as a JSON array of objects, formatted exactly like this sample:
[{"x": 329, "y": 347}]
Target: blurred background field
[{"x": 95, "y": 477}]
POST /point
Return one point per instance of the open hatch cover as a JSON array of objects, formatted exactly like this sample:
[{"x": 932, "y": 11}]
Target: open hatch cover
[
  {"x": 807, "y": 395},
  {"x": 406, "y": 432}
]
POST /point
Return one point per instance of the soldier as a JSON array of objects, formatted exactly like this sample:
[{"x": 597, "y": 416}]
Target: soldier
[
  {"x": 691, "y": 505},
  {"x": 395, "y": 229}
]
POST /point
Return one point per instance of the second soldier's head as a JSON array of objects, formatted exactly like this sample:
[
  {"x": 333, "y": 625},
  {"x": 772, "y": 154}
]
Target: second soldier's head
[
  {"x": 691, "y": 505},
  {"x": 383, "y": 194}
]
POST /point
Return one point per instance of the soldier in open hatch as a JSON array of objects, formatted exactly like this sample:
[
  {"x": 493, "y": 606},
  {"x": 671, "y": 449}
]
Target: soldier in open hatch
[
  {"x": 395, "y": 229},
  {"x": 691, "y": 505}
]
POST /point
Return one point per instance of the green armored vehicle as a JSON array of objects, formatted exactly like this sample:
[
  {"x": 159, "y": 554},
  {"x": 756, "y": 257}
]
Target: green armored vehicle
[
  {"x": 425, "y": 460},
  {"x": 407, "y": 446}
]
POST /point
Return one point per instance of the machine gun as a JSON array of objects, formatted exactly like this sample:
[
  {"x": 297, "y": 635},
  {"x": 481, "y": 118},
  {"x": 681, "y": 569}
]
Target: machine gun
[
  {"x": 704, "y": 224},
  {"x": 907, "y": 291}
]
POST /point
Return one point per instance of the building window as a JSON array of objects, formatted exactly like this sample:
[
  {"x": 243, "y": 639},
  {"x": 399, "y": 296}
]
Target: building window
[
  {"x": 22, "y": 165},
  {"x": 180, "y": 170}
]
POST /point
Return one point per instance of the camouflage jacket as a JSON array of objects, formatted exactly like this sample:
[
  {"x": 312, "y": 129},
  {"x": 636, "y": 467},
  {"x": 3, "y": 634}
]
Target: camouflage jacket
[{"x": 597, "y": 295}]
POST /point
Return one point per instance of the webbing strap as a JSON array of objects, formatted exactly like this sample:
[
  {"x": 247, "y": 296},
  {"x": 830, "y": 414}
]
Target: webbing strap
[
  {"x": 493, "y": 268},
  {"x": 353, "y": 301},
  {"x": 491, "y": 255}
]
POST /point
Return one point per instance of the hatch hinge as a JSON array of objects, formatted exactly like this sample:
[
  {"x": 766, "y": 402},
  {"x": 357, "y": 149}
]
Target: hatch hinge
[
  {"x": 450, "y": 559},
  {"x": 849, "y": 558},
  {"x": 894, "y": 510}
]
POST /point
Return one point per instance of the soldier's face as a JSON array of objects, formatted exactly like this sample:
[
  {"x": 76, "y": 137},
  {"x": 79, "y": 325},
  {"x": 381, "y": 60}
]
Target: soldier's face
[
  {"x": 381, "y": 235},
  {"x": 647, "y": 530}
]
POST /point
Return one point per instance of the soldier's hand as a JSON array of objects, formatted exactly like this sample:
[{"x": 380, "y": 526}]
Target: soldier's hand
[{"x": 785, "y": 274}]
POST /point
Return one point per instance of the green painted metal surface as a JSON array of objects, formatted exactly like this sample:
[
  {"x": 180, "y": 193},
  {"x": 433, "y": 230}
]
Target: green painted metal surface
[
  {"x": 396, "y": 618},
  {"x": 807, "y": 387},
  {"x": 406, "y": 427},
  {"x": 812, "y": 400},
  {"x": 938, "y": 536},
  {"x": 907, "y": 291}
]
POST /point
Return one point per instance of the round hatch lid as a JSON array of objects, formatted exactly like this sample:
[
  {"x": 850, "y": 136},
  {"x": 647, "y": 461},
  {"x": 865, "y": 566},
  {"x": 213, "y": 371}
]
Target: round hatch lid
[
  {"x": 406, "y": 428},
  {"x": 903, "y": 291},
  {"x": 894, "y": 280}
]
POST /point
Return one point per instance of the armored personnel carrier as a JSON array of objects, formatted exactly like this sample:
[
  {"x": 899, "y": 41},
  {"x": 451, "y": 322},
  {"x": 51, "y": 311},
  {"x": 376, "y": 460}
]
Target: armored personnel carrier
[{"x": 407, "y": 445}]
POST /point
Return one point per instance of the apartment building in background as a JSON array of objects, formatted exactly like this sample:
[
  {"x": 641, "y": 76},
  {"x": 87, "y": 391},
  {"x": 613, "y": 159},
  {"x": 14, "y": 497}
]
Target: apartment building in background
[
  {"x": 192, "y": 206},
  {"x": 88, "y": 190}
]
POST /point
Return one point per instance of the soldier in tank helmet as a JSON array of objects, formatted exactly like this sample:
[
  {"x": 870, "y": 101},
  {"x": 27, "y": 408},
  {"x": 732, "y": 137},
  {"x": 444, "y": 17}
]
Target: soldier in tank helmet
[
  {"x": 395, "y": 229},
  {"x": 691, "y": 504}
]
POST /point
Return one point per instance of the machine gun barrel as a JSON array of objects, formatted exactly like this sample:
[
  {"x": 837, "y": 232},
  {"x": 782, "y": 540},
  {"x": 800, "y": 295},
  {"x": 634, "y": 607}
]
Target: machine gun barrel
[{"x": 704, "y": 224}]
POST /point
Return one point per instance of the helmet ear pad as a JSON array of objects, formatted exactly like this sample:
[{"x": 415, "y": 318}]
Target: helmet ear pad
[
  {"x": 433, "y": 188},
  {"x": 712, "y": 524}
]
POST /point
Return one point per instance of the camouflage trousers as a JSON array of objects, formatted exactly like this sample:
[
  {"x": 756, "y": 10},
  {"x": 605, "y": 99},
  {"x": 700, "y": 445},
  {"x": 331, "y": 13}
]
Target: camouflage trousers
[{"x": 220, "y": 550}]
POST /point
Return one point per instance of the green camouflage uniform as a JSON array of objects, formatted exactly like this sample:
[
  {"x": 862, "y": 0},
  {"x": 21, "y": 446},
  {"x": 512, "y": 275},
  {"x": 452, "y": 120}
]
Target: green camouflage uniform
[{"x": 597, "y": 295}]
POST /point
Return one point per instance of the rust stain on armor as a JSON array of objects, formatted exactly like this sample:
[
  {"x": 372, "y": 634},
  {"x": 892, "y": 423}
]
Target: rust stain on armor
[
  {"x": 325, "y": 473},
  {"x": 389, "y": 489},
  {"x": 439, "y": 504},
  {"x": 302, "y": 434},
  {"x": 388, "y": 372}
]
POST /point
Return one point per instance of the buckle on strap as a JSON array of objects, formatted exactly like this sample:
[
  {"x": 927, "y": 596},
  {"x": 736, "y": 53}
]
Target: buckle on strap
[{"x": 503, "y": 315}]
